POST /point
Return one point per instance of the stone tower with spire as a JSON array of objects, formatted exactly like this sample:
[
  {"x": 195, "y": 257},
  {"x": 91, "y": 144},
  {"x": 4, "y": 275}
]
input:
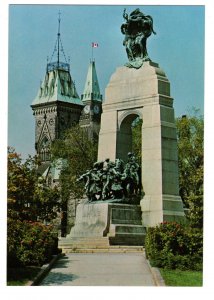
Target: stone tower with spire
[
  {"x": 92, "y": 101},
  {"x": 57, "y": 105}
]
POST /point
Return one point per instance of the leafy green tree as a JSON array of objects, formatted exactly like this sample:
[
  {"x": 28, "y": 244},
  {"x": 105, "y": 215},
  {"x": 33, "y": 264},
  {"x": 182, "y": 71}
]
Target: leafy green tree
[
  {"x": 29, "y": 198},
  {"x": 21, "y": 180},
  {"x": 79, "y": 153},
  {"x": 190, "y": 131},
  {"x": 191, "y": 154},
  {"x": 137, "y": 138}
]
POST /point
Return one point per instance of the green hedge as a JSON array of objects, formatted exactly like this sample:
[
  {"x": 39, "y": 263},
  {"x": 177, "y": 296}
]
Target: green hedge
[
  {"x": 174, "y": 246},
  {"x": 29, "y": 243}
]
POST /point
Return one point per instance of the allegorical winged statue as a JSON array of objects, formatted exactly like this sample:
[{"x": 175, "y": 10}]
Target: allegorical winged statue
[{"x": 137, "y": 28}]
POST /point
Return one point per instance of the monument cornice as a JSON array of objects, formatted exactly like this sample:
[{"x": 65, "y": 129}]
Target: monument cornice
[{"x": 138, "y": 102}]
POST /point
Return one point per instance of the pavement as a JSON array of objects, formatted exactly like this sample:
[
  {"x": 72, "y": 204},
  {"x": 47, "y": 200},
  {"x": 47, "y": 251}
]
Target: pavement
[{"x": 102, "y": 269}]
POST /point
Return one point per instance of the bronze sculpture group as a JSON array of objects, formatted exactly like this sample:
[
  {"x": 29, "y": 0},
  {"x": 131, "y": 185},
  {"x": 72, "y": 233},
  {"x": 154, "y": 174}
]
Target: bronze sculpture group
[
  {"x": 137, "y": 28},
  {"x": 109, "y": 180}
]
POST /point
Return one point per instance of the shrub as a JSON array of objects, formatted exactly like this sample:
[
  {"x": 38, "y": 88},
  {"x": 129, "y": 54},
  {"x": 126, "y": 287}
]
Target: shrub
[
  {"x": 174, "y": 246},
  {"x": 195, "y": 211},
  {"x": 29, "y": 243}
]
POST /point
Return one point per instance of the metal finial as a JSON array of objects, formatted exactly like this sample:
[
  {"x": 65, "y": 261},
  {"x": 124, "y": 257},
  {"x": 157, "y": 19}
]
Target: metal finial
[
  {"x": 56, "y": 52},
  {"x": 59, "y": 19},
  {"x": 47, "y": 63}
]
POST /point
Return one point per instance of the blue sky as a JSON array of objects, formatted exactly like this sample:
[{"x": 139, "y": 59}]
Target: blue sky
[{"x": 178, "y": 48}]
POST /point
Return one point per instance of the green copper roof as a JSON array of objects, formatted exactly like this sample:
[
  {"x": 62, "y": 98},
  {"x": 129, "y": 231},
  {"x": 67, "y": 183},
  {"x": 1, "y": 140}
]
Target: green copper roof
[
  {"x": 57, "y": 86},
  {"x": 92, "y": 89},
  {"x": 54, "y": 169}
]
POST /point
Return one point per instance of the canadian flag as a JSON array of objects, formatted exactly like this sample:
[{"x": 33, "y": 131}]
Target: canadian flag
[{"x": 94, "y": 45}]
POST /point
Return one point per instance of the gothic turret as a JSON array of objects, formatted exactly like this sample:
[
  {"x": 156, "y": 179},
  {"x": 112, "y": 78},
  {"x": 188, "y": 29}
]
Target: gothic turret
[
  {"x": 57, "y": 86},
  {"x": 92, "y": 100},
  {"x": 92, "y": 89},
  {"x": 57, "y": 105}
]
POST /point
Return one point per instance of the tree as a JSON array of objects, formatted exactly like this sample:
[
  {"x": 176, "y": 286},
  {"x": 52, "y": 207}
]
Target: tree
[
  {"x": 79, "y": 153},
  {"x": 29, "y": 198},
  {"x": 190, "y": 131},
  {"x": 137, "y": 138}
]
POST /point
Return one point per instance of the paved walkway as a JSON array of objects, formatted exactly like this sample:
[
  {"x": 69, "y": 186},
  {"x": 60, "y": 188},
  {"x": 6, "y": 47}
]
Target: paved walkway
[{"x": 100, "y": 269}]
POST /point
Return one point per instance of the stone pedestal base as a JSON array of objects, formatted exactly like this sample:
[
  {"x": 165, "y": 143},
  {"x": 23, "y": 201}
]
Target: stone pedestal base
[
  {"x": 160, "y": 208},
  {"x": 91, "y": 220},
  {"x": 99, "y": 225}
]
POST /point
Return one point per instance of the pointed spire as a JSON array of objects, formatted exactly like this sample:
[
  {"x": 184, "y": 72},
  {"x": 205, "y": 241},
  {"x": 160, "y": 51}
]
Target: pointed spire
[
  {"x": 57, "y": 84},
  {"x": 92, "y": 89},
  {"x": 56, "y": 52},
  {"x": 58, "y": 38}
]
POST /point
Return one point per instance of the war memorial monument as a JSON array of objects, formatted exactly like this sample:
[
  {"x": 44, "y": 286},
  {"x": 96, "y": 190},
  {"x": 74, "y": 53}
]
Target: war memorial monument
[{"x": 124, "y": 198}]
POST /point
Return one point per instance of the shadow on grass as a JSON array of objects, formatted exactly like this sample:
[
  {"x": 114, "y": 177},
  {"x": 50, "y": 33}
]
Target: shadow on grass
[{"x": 20, "y": 276}]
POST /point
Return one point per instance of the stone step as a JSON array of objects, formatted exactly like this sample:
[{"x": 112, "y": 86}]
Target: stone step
[
  {"x": 84, "y": 243},
  {"x": 84, "y": 239},
  {"x": 111, "y": 249},
  {"x": 83, "y": 246},
  {"x": 116, "y": 243}
]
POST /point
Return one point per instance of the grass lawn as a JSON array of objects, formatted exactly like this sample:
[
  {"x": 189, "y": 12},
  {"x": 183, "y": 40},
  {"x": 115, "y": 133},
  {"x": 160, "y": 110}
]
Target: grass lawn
[
  {"x": 182, "y": 278},
  {"x": 20, "y": 276}
]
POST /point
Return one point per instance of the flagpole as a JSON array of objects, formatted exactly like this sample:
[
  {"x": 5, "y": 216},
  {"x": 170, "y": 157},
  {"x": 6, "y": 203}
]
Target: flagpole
[
  {"x": 93, "y": 45},
  {"x": 92, "y": 51}
]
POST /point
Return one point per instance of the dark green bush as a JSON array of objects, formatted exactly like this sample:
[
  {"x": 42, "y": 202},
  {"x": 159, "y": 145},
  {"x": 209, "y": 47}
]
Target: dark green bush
[
  {"x": 174, "y": 246},
  {"x": 29, "y": 243}
]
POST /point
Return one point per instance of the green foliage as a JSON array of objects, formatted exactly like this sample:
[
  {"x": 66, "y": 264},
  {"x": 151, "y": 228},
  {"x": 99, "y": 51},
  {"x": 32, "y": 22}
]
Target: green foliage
[
  {"x": 46, "y": 203},
  {"x": 137, "y": 138},
  {"x": 29, "y": 197},
  {"x": 79, "y": 153},
  {"x": 190, "y": 150},
  {"x": 29, "y": 243},
  {"x": 195, "y": 211},
  {"x": 190, "y": 130},
  {"x": 21, "y": 180},
  {"x": 29, "y": 200},
  {"x": 174, "y": 246}
]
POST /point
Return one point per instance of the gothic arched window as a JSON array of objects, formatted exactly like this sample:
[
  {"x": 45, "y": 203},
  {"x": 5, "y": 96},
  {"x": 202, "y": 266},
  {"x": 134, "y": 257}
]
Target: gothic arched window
[{"x": 44, "y": 149}]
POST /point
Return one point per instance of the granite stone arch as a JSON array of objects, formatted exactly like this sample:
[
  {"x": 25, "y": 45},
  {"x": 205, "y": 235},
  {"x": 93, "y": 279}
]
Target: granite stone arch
[
  {"x": 124, "y": 132},
  {"x": 145, "y": 92},
  {"x": 126, "y": 113}
]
